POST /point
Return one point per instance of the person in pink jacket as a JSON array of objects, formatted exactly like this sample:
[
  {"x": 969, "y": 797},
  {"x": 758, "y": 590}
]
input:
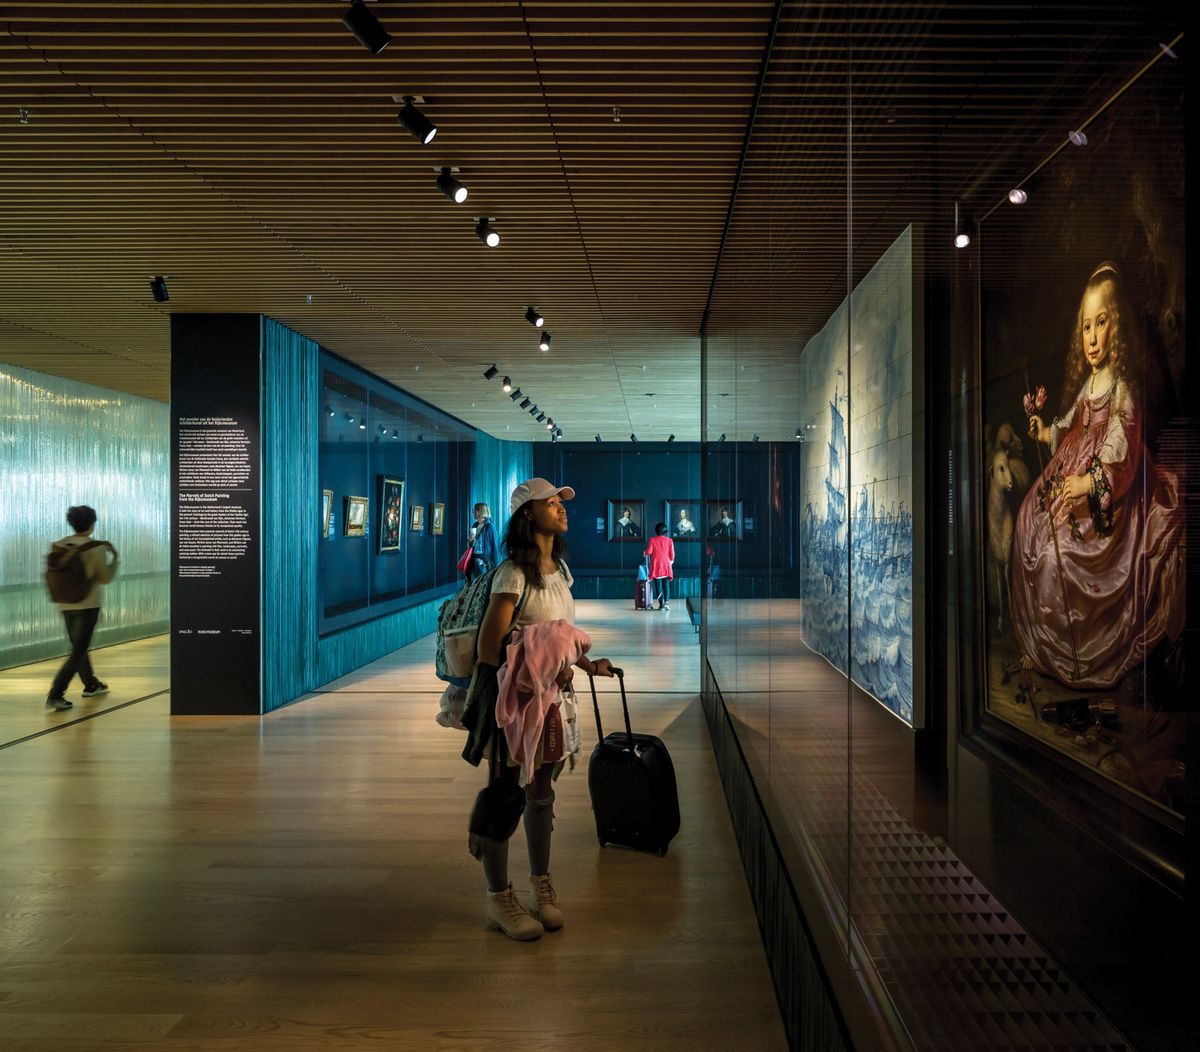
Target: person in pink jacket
[{"x": 661, "y": 550}]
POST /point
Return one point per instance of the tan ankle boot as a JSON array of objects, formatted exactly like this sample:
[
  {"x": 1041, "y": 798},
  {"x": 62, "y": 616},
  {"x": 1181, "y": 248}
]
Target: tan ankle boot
[
  {"x": 543, "y": 901},
  {"x": 506, "y": 914}
]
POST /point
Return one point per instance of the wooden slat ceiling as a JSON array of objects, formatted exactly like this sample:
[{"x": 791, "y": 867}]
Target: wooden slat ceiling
[
  {"x": 251, "y": 153},
  {"x": 901, "y": 110}
]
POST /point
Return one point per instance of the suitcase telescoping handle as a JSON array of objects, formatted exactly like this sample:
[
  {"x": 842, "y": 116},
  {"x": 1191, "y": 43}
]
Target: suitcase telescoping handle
[{"x": 620, "y": 674}]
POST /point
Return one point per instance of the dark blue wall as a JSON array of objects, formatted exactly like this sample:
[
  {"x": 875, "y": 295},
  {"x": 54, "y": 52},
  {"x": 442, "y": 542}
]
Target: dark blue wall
[{"x": 763, "y": 475}]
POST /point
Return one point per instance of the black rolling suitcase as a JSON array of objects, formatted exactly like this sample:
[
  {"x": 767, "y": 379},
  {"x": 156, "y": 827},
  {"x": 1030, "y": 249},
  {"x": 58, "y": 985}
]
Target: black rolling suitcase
[{"x": 632, "y": 784}]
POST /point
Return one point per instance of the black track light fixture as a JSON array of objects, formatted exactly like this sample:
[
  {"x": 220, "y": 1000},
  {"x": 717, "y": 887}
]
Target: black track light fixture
[
  {"x": 558, "y": 432},
  {"x": 485, "y": 233},
  {"x": 516, "y": 394},
  {"x": 534, "y": 317},
  {"x": 633, "y": 439},
  {"x": 544, "y": 342},
  {"x": 525, "y": 403},
  {"x": 598, "y": 440},
  {"x": 506, "y": 385},
  {"x": 329, "y": 410},
  {"x": 756, "y": 438},
  {"x": 722, "y": 438},
  {"x": 418, "y": 125},
  {"x": 550, "y": 424},
  {"x": 670, "y": 439},
  {"x": 451, "y": 187},
  {"x": 490, "y": 371},
  {"x": 368, "y": 30},
  {"x": 540, "y": 417},
  {"x": 158, "y": 289}
]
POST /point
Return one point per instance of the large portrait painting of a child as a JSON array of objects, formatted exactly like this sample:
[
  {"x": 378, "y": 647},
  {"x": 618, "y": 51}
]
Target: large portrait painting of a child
[{"x": 1083, "y": 475}]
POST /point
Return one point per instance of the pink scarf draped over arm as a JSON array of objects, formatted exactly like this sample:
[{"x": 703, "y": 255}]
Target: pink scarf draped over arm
[{"x": 528, "y": 685}]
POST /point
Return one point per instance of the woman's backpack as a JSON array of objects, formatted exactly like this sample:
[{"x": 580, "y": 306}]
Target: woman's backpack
[{"x": 458, "y": 629}]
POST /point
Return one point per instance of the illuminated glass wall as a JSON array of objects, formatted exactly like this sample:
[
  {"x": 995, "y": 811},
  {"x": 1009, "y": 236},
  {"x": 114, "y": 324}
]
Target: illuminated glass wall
[{"x": 67, "y": 443}]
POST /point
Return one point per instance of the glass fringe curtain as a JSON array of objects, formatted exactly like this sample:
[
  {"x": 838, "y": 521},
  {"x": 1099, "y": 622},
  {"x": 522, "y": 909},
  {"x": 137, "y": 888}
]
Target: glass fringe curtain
[{"x": 63, "y": 443}]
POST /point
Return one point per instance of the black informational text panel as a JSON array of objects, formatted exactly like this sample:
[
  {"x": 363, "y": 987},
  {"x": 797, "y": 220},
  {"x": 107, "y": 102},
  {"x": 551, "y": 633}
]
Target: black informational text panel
[{"x": 215, "y": 466}]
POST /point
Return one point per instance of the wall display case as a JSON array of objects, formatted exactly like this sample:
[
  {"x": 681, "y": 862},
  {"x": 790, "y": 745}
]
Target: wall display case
[
  {"x": 356, "y": 516},
  {"x": 391, "y": 511},
  {"x": 1081, "y": 443},
  {"x": 626, "y": 519},
  {"x": 404, "y": 457}
]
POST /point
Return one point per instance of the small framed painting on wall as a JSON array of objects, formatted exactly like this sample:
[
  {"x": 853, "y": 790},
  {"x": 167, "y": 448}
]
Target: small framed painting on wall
[
  {"x": 417, "y": 519},
  {"x": 356, "y": 516},
  {"x": 680, "y": 517},
  {"x": 439, "y": 519},
  {"x": 626, "y": 520},
  {"x": 326, "y": 511},
  {"x": 391, "y": 505}
]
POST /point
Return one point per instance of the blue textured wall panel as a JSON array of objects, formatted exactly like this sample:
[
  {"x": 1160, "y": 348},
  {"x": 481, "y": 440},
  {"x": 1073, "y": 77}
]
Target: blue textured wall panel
[
  {"x": 499, "y": 468},
  {"x": 291, "y": 512}
]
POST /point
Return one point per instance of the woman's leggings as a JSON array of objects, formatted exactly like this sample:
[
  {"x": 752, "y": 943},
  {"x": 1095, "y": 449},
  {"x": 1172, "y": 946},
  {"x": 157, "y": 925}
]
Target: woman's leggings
[{"x": 539, "y": 824}]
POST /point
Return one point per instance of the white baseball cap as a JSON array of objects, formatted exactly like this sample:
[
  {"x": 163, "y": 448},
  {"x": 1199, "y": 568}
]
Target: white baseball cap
[{"x": 537, "y": 489}]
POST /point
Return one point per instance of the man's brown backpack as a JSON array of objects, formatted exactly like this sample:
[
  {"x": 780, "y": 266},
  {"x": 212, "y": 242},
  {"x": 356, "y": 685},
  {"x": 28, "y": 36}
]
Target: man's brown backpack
[{"x": 66, "y": 573}]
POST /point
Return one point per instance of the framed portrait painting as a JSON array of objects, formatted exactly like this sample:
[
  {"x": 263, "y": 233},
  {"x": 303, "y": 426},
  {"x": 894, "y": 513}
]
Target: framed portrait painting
[
  {"x": 326, "y": 511},
  {"x": 391, "y": 509},
  {"x": 1084, "y": 458},
  {"x": 626, "y": 520},
  {"x": 724, "y": 520},
  {"x": 356, "y": 516},
  {"x": 416, "y": 522},
  {"x": 681, "y": 517},
  {"x": 438, "y": 518}
]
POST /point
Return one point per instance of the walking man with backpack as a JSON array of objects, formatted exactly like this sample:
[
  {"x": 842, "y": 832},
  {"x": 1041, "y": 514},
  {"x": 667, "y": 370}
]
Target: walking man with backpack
[{"x": 76, "y": 568}]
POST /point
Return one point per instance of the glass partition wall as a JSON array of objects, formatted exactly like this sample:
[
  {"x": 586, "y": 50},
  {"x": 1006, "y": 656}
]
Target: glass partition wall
[{"x": 903, "y": 276}]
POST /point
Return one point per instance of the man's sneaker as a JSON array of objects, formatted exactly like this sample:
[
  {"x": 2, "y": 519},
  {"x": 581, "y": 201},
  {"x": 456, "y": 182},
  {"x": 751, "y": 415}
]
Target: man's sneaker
[
  {"x": 543, "y": 902},
  {"x": 506, "y": 914},
  {"x": 58, "y": 704},
  {"x": 95, "y": 690}
]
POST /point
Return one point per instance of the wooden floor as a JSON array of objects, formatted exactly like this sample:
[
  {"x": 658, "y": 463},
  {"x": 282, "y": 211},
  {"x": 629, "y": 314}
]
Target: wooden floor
[
  {"x": 302, "y": 882},
  {"x": 132, "y": 670}
]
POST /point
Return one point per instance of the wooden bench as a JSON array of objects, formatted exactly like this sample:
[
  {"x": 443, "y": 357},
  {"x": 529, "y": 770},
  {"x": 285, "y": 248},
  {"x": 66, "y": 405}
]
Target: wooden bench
[{"x": 693, "y": 610}]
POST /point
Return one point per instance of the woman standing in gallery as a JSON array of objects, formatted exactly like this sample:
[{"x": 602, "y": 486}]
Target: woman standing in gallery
[
  {"x": 661, "y": 550},
  {"x": 1098, "y": 561},
  {"x": 482, "y": 538},
  {"x": 532, "y": 585}
]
